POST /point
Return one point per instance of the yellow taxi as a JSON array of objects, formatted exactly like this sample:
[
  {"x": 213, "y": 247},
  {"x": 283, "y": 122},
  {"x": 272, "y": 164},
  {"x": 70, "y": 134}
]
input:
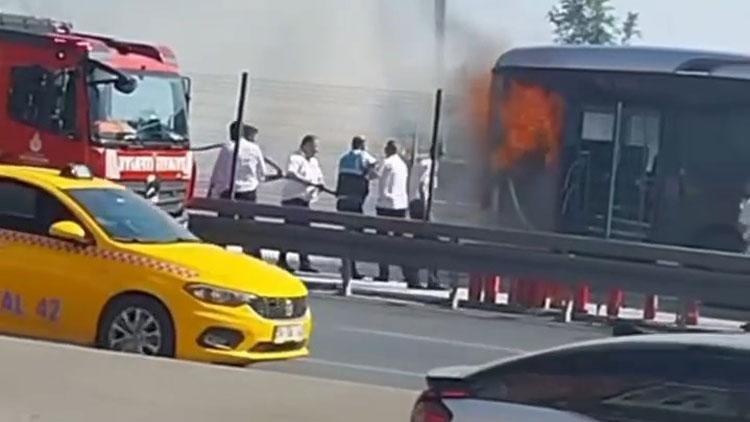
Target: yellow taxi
[{"x": 86, "y": 261}]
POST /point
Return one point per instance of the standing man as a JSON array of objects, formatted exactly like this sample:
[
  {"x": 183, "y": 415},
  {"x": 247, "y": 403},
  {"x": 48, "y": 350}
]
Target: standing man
[
  {"x": 355, "y": 171},
  {"x": 393, "y": 196},
  {"x": 353, "y": 185},
  {"x": 251, "y": 167},
  {"x": 418, "y": 211},
  {"x": 304, "y": 180}
]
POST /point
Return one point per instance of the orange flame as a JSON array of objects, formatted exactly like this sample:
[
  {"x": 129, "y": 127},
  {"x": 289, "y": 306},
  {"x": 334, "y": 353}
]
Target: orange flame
[
  {"x": 532, "y": 124},
  {"x": 479, "y": 106}
]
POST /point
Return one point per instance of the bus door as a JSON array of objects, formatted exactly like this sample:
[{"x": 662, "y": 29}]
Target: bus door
[{"x": 623, "y": 141}]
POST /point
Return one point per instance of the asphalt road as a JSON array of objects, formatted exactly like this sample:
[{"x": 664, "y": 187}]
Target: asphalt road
[
  {"x": 368, "y": 362},
  {"x": 46, "y": 382},
  {"x": 394, "y": 344}
]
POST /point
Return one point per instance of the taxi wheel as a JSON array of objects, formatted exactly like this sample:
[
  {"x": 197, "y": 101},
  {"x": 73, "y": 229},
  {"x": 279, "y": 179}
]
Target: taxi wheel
[{"x": 137, "y": 324}]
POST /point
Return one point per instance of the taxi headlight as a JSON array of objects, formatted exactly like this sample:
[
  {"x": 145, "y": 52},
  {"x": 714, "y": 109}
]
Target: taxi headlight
[{"x": 218, "y": 296}]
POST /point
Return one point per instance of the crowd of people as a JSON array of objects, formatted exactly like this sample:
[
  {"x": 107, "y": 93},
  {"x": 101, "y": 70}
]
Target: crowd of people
[{"x": 303, "y": 182}]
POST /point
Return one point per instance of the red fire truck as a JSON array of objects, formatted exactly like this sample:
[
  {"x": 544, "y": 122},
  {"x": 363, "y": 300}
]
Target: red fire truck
[{"x": 119, "y": 107}]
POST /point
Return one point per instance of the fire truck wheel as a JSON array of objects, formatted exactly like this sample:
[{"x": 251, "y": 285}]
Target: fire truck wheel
[{"x": 136, "y": 323}]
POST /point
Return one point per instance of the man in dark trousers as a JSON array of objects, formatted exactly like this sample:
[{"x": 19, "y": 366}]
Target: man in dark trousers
[
  {"x": 304, "y": 180},
  {"x": 353, "y": 185},
  {"x": 418, "y": 211},
  {"x": 393, "y": 195}
]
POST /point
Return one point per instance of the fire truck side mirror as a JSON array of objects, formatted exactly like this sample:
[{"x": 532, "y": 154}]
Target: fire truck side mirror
[{"x": 126, "y": 85}]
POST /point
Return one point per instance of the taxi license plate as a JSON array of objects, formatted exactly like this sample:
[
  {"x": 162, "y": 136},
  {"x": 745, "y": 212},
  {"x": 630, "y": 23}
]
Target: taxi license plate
[{"x": 289, "y": 334}]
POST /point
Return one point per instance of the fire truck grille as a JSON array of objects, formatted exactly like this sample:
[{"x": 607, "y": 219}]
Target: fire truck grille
[{"x": 171, "y": 196}]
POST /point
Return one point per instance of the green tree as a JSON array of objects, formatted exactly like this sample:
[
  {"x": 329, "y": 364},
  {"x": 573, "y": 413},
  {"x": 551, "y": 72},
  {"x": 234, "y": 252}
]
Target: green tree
[
  {"x": 630, "y": 29},
  {"x": 591, "y": 22}
]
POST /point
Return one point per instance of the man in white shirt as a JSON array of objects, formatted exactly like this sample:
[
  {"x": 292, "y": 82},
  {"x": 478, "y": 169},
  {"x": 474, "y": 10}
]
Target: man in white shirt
[
  {"x": 418, "y": 211},
  {"x": 304, "y": 181},
  {"x": 418, "y": 205},
  {"x": 393, "y": 196},
  {"x": 251, "y": 167}
]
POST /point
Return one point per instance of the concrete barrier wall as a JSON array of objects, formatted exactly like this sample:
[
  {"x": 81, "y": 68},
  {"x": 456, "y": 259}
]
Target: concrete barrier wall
[{"x": 48, "y": 382}]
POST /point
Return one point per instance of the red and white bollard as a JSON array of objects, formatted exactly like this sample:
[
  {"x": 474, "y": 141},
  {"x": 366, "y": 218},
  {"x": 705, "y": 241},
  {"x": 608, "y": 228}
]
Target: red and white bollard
[
  {"x": 650, "y": 307},
  {"x": 582, "y": 299},
  {"x": 538, "y": 295},
  {"x": 475, "y": 287},
  {"x": 693, "y": 313},
  {"x": 492, "y": 286},
  {"x": 558, "y": 295},
  {"x": 690, "y": 314},
  {"x": 614, "y": 303}
]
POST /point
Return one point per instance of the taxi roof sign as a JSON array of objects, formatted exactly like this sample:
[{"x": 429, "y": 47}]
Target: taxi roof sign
[{"x": 76, "y": 171}]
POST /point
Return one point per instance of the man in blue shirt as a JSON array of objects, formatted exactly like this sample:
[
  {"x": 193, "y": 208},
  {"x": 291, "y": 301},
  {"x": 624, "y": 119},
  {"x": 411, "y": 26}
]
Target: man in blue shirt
[{"x": 356, "y": 169}]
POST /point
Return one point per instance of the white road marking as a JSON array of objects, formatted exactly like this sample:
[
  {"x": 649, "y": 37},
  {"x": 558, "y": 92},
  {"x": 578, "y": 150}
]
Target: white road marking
[
  {"x": 367, "y": 368},
  {"x": 434, "y": 340}
]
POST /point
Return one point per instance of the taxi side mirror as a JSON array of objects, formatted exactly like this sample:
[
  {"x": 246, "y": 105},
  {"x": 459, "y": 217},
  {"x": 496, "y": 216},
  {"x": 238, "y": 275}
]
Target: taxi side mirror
[{"x": 69, "y": 230}]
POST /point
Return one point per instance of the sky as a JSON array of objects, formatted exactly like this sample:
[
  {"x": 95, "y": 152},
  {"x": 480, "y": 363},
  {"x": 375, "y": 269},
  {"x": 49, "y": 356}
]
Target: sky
[
  {"x": 374, "y": 43},
  {"x": 716, "y": 24}
]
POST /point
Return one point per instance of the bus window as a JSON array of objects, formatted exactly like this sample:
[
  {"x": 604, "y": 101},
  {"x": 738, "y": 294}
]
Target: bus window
[
  {"x": 644, "y": 130},
  {"x": 598, "y": 126}
]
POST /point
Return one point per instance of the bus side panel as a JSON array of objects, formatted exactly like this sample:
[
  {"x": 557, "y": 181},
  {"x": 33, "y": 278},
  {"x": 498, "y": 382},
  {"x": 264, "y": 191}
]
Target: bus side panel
[
  {"x": 670, "y": 226},
  {"x": 704, "y": 179}
]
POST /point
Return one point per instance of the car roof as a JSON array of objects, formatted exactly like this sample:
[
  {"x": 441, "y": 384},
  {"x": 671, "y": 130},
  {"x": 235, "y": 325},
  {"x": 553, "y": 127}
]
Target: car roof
[
  {"x": 52, "y": 178},
  {"x": 628, "y": 59},
  {"x": 738, "y": 342}
]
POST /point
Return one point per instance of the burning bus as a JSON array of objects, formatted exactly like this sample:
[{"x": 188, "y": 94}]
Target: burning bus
[{"x": 644, "y": 144}]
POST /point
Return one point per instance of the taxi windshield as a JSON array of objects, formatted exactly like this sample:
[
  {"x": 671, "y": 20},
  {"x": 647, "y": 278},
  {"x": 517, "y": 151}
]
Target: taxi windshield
[{"x": 127, "y": 217}]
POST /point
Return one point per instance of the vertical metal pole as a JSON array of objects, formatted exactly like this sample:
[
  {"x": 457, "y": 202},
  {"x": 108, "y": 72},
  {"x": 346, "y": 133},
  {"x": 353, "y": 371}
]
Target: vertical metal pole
[
  {"x": 615, "y": 166},
  {"x": 434, "y": 151},
  {"x": 346, "y": 277},
  {"x": 240, "y": 116},
  {"x": 440, "y": 11},
  {"x": 414, "y": 150},
  {"x": 413, "y": 158}
]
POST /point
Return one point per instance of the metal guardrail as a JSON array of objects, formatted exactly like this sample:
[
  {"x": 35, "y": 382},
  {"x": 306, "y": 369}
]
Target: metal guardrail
[{"x": 715, "y": 277}]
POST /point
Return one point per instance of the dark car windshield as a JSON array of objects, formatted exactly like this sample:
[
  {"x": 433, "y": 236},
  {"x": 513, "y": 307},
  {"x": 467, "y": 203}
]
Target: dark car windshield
[{"x": 127, "y": 217}]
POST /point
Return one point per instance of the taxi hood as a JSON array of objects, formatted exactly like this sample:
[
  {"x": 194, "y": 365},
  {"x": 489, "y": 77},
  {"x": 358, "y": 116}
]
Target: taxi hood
[{"x": 230, "y": 270}]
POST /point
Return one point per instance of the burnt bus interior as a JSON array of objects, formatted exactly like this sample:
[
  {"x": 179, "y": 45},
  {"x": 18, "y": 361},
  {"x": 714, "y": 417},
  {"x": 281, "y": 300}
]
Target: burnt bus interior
[{"x": 678, "y": 146}]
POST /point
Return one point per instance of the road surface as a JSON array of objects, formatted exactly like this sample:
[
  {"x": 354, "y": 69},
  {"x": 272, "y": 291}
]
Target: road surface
[
  {"x": 368, "y": 362},
  {"x": 45, "y": 382},
  {"x": 394, "y": 343}
]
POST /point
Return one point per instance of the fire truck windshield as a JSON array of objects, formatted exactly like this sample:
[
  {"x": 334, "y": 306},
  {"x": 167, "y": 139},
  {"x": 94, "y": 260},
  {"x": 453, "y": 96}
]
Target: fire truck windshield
[{"x": 154, "y": 112}]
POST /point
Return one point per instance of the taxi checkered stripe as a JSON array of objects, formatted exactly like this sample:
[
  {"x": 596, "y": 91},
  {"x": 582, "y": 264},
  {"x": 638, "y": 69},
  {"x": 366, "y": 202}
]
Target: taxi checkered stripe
[{"x": 94, "y": 252}]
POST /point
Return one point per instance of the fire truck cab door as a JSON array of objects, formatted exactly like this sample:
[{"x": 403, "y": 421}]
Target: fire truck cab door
[{"x": 45, "y": 120}]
